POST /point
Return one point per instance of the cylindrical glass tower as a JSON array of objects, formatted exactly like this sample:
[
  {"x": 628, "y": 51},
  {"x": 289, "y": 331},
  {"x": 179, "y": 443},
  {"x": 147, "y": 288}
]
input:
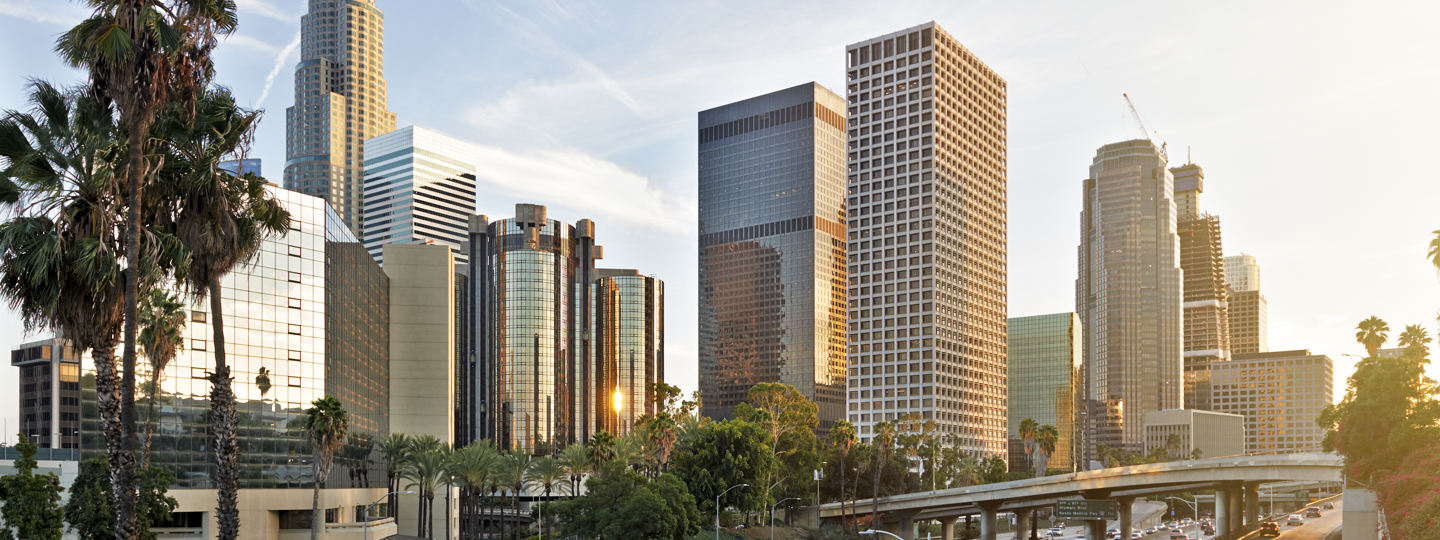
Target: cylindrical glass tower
[{"x": 628, "y": 346}]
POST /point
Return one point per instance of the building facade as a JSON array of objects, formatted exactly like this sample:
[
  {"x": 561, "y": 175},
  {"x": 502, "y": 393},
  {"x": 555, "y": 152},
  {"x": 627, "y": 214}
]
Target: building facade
[
  {"x": 1213, "y": 434},
  {"x": 772, "y": 249},
  {"x": 243, "y": 166},
  {"x": 49, "y": 392},
  {"x": 628, "y": 346},
  {"x": 926, "y": 187},
  {"x": 1249, "y": 332},
  {"x": 1044, "y": 385},
  {"x": 340, "y": 100},
  {"x": 1207, "y": 318},
  {"x": 1242, "y": 272},
  {"x": 1129, "y": 293},
  {"x": 419, "y": 189},
  {"x": 1279, "y": 393}
]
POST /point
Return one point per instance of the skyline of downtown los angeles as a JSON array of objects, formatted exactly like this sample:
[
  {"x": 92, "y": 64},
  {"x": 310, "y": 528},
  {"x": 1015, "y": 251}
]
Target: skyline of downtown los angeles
[{"x": 1296, "y": 112}]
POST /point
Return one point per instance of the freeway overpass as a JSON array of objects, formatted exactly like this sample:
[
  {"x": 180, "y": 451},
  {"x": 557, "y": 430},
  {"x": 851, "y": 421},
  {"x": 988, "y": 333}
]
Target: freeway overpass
[{"x": 1234, "y": 479}]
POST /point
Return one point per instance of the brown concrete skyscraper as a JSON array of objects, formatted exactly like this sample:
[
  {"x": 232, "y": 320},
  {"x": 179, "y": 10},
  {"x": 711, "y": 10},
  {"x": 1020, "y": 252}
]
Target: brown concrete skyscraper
[
  {"x": 340, "y": 100},
  {"x": 1207, "y": 320},
  {"x": 926, "y": 188}
]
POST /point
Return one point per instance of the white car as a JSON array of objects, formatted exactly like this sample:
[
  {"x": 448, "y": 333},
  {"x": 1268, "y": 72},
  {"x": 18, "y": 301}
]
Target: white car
[{"x": 1135, "y": 534}]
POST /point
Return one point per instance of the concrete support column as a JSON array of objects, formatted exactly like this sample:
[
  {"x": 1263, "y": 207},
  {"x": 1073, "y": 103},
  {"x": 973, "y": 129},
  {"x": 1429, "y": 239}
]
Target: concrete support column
[
  {"x": 1096, "y": 529},
  {"x": 1252, "y": 503},
  {"x": 1237, "y": 508},
  {"x": 907, "y": 526},
  {"x": 1127, "y": 507},
  {"x": 947, "y": 528},
  {"x": 987, "y": 521},
  {"x": 1222, "y": 511},
  {"x": 1022, "y": 522},
  {"x": 966, "y": 535}
]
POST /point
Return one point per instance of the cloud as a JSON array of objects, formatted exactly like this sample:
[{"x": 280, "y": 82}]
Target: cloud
[
  {"x": 264, "y": 9},
  {"x": 279, "y": 64},
  {"x": 581, "y": 183},
  {"x": 250, "y": 43},
  {"x": 24, "y": 9}
]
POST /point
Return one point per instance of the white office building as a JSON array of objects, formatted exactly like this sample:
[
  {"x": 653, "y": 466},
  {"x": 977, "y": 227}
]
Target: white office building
[{"x": 419, "y": 189}]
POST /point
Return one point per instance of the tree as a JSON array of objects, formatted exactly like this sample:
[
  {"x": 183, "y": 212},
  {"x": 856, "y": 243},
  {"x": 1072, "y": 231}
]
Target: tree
[
  {"x": 1172, "y": 444},
  {"x": 602, "y": 449},
  {"x": 970, "y": 471},
  {"x": 1046, "y": 437},
  {"x": 262, "y": 381},
  {"x": 884, "y": 437},
  {"x": 326, "y": 424},
  {"x": 784, "y": 413},
  {"x": 92, "y": 516},
  {"x": 547, "y": 473},
  {"x": 841, "y": 438},
  {"x": 474, "y": 465},
  {"x": 1372, "y": 333},
  {"x": 425, "y": 468},
  {"x": 513, "y": 472},
  {"x": 721, "y": 455},
  {"x": 622, "y": 504},
  {"x": 31, "y": 501},
  {"x": 1416, "y": 340},
  {"x": 162, "y": 320},
  {"x": 142, "y": 56},
  {"x": 1196, "y": 453},
  {"x": 222, "y": 220},
  {"x": 1389, "y": 410},
  {"x": 576, "y": 463},
  {"x": 1434, "y": 253},
  {"x": 395, "y": 450},
  {"x": 1028, "y": 429}
]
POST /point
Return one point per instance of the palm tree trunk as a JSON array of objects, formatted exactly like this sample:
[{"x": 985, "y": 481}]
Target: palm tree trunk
[
  {"x": 124, "y": 475},
  {"x": 875, "y": 500},
  {"x": 107, "y": 394},
  {"x": 150, "y": 420},
  {"x": 447, "y": 512},
  {"x": 222, "y": 407},
  {"x": 315, "y": 518},
  {"x": 843, "y": 525},
  {"x": 517, "y": 512}
]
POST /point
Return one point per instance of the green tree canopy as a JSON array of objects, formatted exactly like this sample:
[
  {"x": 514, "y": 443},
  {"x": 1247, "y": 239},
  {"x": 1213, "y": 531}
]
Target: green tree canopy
[
  {"x": 31, "y": 501},
  {"x": 621, "y": 503},
  {"x": 724, "y": 454},
  {"x": 1390, "y": 410}
]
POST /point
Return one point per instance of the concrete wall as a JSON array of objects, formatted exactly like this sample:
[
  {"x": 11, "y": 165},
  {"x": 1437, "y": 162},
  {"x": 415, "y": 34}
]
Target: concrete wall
[
  {"x": 260, "y": 510},
  {"x": 1361, "y": 515},
  {"x": 422, "y": 356}
]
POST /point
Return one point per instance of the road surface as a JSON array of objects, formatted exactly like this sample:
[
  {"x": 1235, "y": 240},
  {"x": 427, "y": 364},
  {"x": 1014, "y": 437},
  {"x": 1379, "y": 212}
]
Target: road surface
[{"x": 1313, "y": 529}]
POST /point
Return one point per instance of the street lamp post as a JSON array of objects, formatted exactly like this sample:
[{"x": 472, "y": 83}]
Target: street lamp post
[
  {"x": 772, "y": 515},
  {"x": 717, "y": 508},
  {"x": 1196, "y": 509},
  {"x": 876, "y": 531},
  {"x": 365, "y": 527}
]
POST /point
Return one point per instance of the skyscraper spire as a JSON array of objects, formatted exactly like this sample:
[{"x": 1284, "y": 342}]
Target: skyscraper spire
[{"x": 340, "y": 100}]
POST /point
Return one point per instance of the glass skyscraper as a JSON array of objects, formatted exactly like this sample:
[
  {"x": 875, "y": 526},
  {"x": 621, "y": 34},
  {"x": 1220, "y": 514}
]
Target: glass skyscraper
[
  {"x": 772, "y": 248},
  {"x": 927, "y": 237},
  {"x": 340, "y": 100},
  {"x": 1129, "y": 293},
  {"x": 1044, "y": 377},
  {"x": 629, "y": 345},
  {"x": 419, "y": 188}
]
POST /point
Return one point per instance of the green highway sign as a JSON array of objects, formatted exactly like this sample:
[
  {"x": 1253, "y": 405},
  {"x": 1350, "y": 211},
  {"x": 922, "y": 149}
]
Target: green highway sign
[
  {"x": 1087, "y": 509},
  {"x": 1302, "y": 496}
]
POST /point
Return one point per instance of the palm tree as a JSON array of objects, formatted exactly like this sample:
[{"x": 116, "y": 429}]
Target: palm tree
[
  {"x": 141, "y": 56},
  {"x": 1028, "y": 428},
  {"x": 662, "y": 432},
  {"x": 884, "y": 436},
  {"x": 547, "y": 473},
  {"x": 842, "y": 437},
  {"x": 1372, "y": 333},
  {"x": 395, "y": 450},
  {"x": 262, "y": 381},
  {"x": 1172, "y": 444},
  {"x": 1434, "y": 253},
  {"x": 474, "y": 465},
  {"x": 576, "y": 462},
  {"x": 1046, "y": 437},
  {"x": 602, "y": 449},
  {"x": 326, "y": 424},
  {"x": 970, "y": 472},
  {"x": 513, "y": 473},
  {"x": 60, "y": 251},
  {"x": 1196, "y": 453},
  {"x": 425, "y": 469},
  {"x": 1416, "y": 340},
  {"x": 162, "y": 318},
  {"x": 223, "y": 220}
]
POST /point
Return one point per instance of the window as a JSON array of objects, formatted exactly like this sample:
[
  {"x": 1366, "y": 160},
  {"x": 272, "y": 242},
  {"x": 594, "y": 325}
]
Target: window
[
  {"x": 197, "y": 316},
  {"x": 198, "y": 344}
]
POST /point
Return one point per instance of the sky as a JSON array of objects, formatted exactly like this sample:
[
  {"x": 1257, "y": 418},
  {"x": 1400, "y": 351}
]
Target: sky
[{"x": 1313, "y": 122}]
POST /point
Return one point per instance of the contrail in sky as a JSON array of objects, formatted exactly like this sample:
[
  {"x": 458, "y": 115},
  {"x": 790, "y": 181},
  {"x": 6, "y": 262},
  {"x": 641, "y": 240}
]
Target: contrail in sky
[{"x": 275, "y": 71}]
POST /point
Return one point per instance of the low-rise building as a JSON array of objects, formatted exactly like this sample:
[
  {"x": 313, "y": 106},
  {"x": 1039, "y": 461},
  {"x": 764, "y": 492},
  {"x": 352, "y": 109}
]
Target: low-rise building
[
  {"x": 1213, "y": 434},
  {"x": 1279, "y": 393}
]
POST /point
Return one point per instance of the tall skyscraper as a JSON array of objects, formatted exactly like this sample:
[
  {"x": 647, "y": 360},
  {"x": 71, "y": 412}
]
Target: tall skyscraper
[
  {"x": 1280, "y": 394},
  {"x": 1242, "y": 272},
  {"x": 419, "y": 189},
  {"x": 49, "y": 392},
  {"x": 927, "y": 237},
  {"x": 1044, "y": 385},
  {"x": 242, "y": 166},
  {"x": 1129, "y": 293},
  {"x": 772, "y": 248},
  {"x": 340, "y": 101},
  {"x": 1207, "y": 319},
  {"x": 1249, "y": 310},
  {"x": 629, "y": 344}
]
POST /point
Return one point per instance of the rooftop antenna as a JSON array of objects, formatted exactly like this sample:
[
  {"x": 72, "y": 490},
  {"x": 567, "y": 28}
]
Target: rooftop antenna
[{"x": 1144, "y": 132}]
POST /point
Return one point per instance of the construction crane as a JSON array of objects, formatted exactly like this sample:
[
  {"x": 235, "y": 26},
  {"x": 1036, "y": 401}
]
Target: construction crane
[{"x": 1144, "y": 132}]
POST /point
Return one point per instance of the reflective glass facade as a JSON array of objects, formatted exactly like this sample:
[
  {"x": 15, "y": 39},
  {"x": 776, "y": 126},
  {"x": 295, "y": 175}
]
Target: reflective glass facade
[
  {"x": 276, "y": 316},
  {"x": 1129, "y": 293},
  {"x": 419, "y": 189},
  {"x": 629, "y": 341},
  {"x": 49, "y": 392},
  {"x": 772, "y": 251},
  {"x": 1279, "y": 394},
  {"x": 927, "y": 237},
  {"x": 1044, "y": 369}
]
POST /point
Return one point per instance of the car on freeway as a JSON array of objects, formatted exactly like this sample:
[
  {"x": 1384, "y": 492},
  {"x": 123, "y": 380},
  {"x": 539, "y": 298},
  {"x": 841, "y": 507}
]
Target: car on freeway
[
  {"x": 1329, "y": 506},
  {"x": 1079, "y": 537},
  {"x": 1055, "y": 532},
  {"x": 1058, "y": 525},
  {"x": 1312, "y": 512},
  {"x": 1295, "y": 520},
  {"x": 1269, "y": 528},
  {"x": 1175, "y": 534},
  {"x": 1172, "y": 524},
  {"x": 1135, "y": 534},
  {"x": 1183, "y": 537}
]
